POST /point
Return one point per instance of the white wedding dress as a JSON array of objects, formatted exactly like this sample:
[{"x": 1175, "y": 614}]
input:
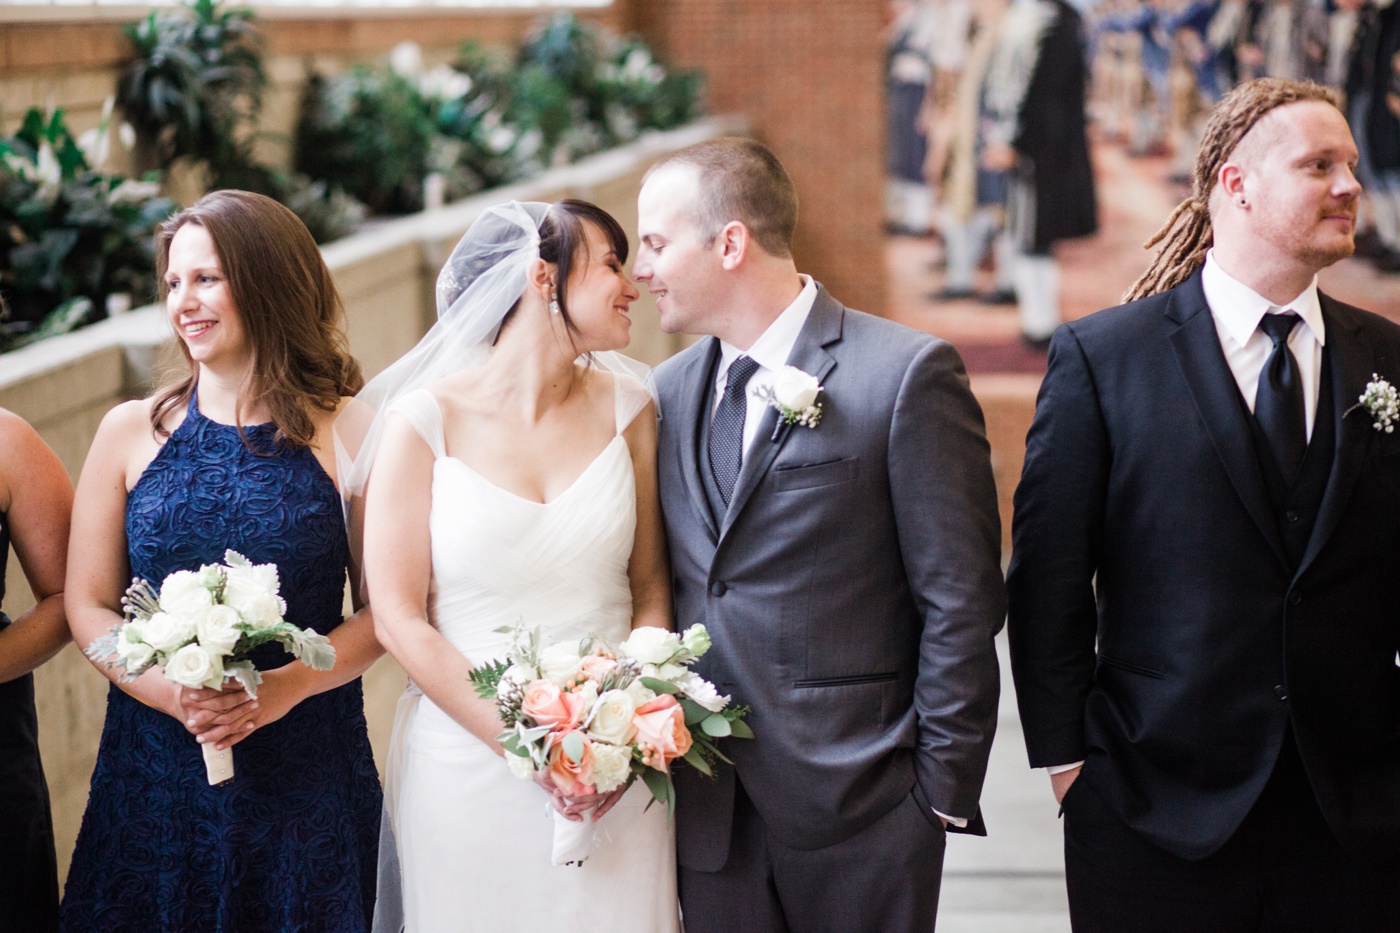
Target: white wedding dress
[{"x": 473, "y": 842}]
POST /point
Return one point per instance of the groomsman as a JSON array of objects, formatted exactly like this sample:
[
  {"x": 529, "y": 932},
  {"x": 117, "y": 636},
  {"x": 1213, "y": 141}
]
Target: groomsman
[
  {"x": 846, "y": 565},
  {"x": 1202, "y": 630}
]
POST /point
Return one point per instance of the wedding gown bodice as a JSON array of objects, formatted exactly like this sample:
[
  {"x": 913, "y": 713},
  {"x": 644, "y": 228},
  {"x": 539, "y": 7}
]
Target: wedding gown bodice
[{"x": 499, "y": 558}]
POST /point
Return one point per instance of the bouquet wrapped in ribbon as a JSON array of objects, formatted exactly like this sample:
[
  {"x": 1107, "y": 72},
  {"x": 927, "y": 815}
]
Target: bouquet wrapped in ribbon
[
  {"x": 201, "y": 627},
  {"x": 595, "y": 717}
]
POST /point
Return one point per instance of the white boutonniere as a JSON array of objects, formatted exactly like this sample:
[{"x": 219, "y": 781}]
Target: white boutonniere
[
  {"x": 794, "y": 394},
  {"x": 1382, "y": 402}
]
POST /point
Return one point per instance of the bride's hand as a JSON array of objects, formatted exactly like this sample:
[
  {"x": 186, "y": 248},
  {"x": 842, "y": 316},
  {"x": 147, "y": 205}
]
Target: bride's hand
[{"x": 575, "y": 807}]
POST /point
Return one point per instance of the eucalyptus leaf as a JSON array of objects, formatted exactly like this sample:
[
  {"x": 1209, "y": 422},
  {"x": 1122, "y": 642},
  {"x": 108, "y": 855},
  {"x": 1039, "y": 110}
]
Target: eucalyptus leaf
[
  {"x": 660, "y": 686},
  {"x": 716, "y": 725},
  {"x": 573, "y": 747}
]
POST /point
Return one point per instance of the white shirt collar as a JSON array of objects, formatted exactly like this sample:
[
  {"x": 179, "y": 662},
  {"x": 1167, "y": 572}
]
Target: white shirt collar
[
  {"x": 1239, "y": 308},
  {"x": 773, "y": 347}
]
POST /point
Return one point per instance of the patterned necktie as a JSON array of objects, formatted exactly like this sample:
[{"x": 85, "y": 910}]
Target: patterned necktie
[
  {"x": 727, "y": 428},
  {"x": 1278, "y": 406}
]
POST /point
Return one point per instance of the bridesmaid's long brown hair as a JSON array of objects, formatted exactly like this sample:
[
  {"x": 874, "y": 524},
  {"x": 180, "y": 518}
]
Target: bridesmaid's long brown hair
[{"x": 289, "y": 307}]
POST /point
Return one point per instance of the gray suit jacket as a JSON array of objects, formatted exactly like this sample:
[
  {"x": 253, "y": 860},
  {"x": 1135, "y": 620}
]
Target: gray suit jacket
[{"x": 852, "y": 589}]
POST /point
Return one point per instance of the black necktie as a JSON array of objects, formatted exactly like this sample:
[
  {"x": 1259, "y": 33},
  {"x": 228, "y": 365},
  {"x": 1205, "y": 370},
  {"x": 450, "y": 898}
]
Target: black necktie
[
  {"x": 727, "y": 428},
  {"x": 1278, "y": 406}
]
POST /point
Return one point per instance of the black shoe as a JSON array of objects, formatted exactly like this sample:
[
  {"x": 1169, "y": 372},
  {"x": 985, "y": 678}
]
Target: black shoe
[
  {"x": 948, "y": 293},
  {"x": 1000, "y": 296},
  {"x": 1035, "y": 344}
]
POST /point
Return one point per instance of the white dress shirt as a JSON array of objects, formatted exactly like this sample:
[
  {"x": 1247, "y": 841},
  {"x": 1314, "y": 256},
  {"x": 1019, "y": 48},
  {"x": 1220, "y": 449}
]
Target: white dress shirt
[
  {"x": 1237, "y": 310},
  {"x": 770, "y": 351}
]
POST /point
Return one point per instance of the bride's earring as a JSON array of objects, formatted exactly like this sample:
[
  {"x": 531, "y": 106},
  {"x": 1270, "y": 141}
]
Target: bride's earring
[{"x": 553, "y": 304}]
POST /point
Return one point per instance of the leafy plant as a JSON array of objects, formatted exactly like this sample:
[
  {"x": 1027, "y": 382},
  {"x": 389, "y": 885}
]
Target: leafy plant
[
  {"x": 71, "y": 236},
  {"x": 195, "y": 85}
]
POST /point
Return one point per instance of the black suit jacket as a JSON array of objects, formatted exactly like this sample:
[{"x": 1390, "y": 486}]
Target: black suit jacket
[{"x": 1157, "y": 627}]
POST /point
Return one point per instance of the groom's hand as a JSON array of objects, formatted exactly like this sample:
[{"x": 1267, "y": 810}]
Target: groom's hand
[{"x": 1060, "y": 783}]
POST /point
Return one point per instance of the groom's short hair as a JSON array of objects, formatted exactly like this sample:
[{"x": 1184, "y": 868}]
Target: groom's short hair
[{"x": 740, "y": 179}]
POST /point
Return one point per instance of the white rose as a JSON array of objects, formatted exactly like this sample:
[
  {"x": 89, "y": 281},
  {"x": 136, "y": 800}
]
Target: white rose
[
  {"x": 218, "y": 631},
  {"x": 520, "y": 766},
  {"x": 193, "y": 666},
  {"x": 252, "y": 590},
  {"x": 520, "y": 674},
  {"x": 134, "y": 654},
  {"x": 612, "y": 721},
  {"x": 795, "y": 389},
  {"x": 165, "y": 632},
  {"x": 560, "y": 662},
  {"x": 650, "y": 645},
  {"x": 701, "y": 691},
  {"x": 640, "y": 693},
  {"x": 184, "y": 594},
  {"x": 612, "y": 765}
]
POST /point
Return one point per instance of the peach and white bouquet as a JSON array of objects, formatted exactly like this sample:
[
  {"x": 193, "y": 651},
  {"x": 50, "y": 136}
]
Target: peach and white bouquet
[
  {"x": 200, "y": 629},
  {"x": 595, "y": 717}
]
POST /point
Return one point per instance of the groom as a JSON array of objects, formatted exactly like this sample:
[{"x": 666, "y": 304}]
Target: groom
[{"x": 846, "y": 566}]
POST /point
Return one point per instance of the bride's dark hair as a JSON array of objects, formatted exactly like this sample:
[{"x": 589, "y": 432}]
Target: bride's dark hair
[{"x": 564, "y": 243}]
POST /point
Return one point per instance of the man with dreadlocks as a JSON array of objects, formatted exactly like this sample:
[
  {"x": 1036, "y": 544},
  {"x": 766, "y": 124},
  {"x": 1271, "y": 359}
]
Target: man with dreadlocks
[{"x": 1203, "y": 634}]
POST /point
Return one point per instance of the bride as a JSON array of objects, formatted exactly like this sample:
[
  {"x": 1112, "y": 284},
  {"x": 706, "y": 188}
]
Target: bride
[{"x": 513, "y": 479}]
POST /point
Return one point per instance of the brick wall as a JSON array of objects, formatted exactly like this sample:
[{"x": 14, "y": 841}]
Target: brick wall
[{"x": 809, "y": 76}]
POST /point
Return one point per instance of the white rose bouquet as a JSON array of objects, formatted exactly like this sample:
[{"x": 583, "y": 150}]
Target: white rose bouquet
[
  {"x": 595, "y": 718},
  {"x": 201, "y": 628}
]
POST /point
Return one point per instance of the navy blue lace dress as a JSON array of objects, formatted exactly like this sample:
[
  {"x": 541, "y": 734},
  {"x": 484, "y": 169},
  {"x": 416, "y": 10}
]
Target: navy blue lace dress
[{"x": 291, "y": 845}]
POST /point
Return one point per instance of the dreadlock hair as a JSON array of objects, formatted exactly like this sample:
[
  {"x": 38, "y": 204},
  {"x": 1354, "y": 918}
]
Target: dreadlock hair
[{"x": 1187, "y": 234}]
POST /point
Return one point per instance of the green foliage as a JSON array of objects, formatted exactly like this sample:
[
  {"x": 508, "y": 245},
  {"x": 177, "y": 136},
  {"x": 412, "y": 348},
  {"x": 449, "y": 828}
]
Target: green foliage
[
  {"x": 71, "y": 236},
  {"x": 370, "y": 131},
  {"x": 196, "y": 82},
  {"x": 486, "y": 678}
]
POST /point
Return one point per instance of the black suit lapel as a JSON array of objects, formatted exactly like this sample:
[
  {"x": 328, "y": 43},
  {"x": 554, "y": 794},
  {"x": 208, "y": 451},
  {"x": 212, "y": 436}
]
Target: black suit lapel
[
  {"x": 1217, "y": 398},
  {"x": 694, "y": 431},
  {"x": 823, "y": 327},
  {"x": 1353, "y": 362}
]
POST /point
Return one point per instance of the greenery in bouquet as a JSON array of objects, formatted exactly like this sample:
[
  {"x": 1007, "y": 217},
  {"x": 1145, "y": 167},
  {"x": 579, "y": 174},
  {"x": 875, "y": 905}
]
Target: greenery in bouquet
[
  {"x": 194, "y": 88},
  {"x": 73, "y": 236}
]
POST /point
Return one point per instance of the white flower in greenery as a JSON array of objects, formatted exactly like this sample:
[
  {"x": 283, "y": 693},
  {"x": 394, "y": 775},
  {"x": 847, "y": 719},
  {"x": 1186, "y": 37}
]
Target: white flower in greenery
[
  {"x": 135, "y": 655},
  {"x": 612, "y": 720},
  {"x": 696, "y": 640},
  {"x": 640, "y": 693},
  {"x": 193, "y": 666},
  {"x": 166, "y": 632},
  {"x": 185, "y": 594},
  {"x": 252, "y": 590},
  {"x": 520, "y": 766},
  {"x": 218, "y": 630},
  {"x": 520, "y": 674},
  {"x": 612, "y": 765},
  {"x": 701, "y": 691},
  {"x": 406, "y": 59},
  {"x": 650, "y": 645},
  {"x": 560, "y": 662}
]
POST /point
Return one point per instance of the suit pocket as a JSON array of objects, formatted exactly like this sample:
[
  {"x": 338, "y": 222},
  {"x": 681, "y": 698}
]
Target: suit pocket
[
  {"x": 818, "y": 474},
  {"x": 1131, "y": 667},
  {"x": 848, "y": 681}
]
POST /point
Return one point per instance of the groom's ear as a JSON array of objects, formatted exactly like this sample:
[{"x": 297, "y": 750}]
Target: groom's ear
[{"x": 732, "y": 244}]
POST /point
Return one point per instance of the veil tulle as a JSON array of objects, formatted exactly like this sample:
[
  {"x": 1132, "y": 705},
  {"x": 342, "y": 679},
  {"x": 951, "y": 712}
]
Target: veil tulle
[{"x": 478, "y": 285}]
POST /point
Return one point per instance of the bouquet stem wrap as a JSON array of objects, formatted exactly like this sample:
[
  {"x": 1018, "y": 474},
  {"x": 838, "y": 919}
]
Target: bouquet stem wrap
[{"x": 218, "y": 764}]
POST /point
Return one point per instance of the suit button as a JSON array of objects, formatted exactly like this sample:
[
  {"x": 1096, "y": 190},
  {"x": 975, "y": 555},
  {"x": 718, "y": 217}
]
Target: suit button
[
  {"x": 718, "y": 588},
  {"x": 1291, "y": 517},
  {"x": 1280, "y": 692},
  {"x": 1295, "y": 598}
]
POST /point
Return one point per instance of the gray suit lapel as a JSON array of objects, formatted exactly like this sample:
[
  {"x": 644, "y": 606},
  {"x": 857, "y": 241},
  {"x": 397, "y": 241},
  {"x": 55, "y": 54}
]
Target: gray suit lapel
[
  {"x": 693, "y": 434},
  {"x": 823, "y": 327},
  {"x": 1352, "y": 365},
  {"x": 1217, "y": 397}
]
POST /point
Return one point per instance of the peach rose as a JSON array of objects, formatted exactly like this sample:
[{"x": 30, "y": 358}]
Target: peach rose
[
  {"x": 661, "y": 725},
  {"x": 574, "y": 779},
  {"x": 596, "y": 667},
  {"x": 549, "y": 706}
]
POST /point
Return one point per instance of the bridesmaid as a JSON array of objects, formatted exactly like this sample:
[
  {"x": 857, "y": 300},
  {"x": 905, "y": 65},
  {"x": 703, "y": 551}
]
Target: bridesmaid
[
  {"x": 236, "y": 453},
  {"x": 36, "y": 499}
]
